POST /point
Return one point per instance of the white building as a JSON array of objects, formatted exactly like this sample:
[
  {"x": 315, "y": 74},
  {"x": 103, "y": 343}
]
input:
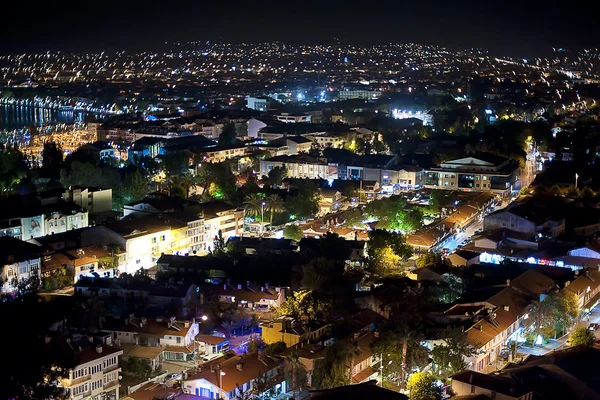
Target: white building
[
  {"x": 19, "y": 261},
  {"x": 256, "y": 103},
  {"x": 175, "y": 337},
  {"x": 300, "y": 166},
  {"x": 288, "y": 118},
  {"x": 95, "y": 375},
  {"x": 422, "y": 115},
  {"x": 91, "y": 199}
]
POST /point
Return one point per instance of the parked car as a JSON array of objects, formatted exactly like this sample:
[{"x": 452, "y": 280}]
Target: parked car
[{"x": 594, "y": 327}]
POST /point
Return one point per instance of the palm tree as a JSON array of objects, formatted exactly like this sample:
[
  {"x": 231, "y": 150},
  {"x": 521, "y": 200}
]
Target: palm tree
[
  {"x": 253, "y": 204},
  {"x": 274, "y": 204}
]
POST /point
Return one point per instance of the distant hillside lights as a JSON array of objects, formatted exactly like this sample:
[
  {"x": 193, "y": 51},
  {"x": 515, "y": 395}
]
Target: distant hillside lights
[{"x": 404, "y": 114}]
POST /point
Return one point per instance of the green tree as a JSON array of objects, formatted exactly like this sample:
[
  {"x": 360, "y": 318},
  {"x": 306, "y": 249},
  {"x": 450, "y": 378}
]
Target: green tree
[
  {"x": 554, "y": 314},
  {"x": 449, "y": 358},
  {"x": 295, "y": 373},
  {"x": 353, "y": 218},
  {"x": 525, "y": 191},
  {"x": 428, "y": 259},
  {"x": 228, "y": 135},
  {"x": 219, "y": 246},
  {"x": 587, "y": 193},
  {"x": 275, "y": 349},
  {"x": 438, "y": 199},
  {"x": 135, "y": 186},
  {"x": 582, "y": 336},
  {"x": 572, "y": 192},
  {"x": 332, "y": 370},
  {"x": 274, "y": 204},
  {"x": 275, "y": 177},
  {"x": 253, "y": 205},
  {"x": 52, "y": 160},
  {"x": 421, "y": 386},
  {"x": 293, "y": 232}
]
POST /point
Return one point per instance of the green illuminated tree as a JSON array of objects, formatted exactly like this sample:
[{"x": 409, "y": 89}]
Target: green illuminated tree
[
  {"x": 253, "y": 205},
  {"x": 582, "y": 336},
  {"x": 421, "y": 386},
  {"x": 293, "y": 232}
]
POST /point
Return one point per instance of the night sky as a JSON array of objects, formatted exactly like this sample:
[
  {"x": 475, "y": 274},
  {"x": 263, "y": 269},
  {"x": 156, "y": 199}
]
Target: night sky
[{"x": 519, "y": 28}]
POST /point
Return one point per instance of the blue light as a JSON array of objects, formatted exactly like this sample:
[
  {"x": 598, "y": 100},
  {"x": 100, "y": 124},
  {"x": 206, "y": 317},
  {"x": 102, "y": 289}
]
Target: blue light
[
  {"x": 488, "y": 111},
  {"x": 300, "y": 96}
]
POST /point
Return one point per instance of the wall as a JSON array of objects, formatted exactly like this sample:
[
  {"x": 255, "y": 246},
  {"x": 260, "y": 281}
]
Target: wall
[
  {"x": 20, "y": 270},
  {"x": 510, "y": 221}
]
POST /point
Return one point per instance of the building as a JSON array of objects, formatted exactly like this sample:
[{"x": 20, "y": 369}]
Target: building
[
  {"x": 463, "y": 258},
  {"x": 99, "y": 151},
  {"x": 230, "y": 378},
  {"x": 532, "y": 217},
  {"x": 424, "y": 116},
  {"x": 145, "y": 147},
  {"x": 586, "y": 286},
  {"x": 479, "y": 172},
  {"x": 327, "y": 140},
  {"x": 20, "y": 261},
  {"x": 211, "y": 346},
  {"x": 178, "y": 299},
  {"x": 222, "y": 217},
  {"x": 256, "y": 298},
  {"x": 365, "y": 390},
  {"x": 25, "y": 218},
  {"x": 93, "y": 371},
  {"x": 295, "y": 144},
  {"x": 176, "y": 338},
  {"x": 289, "y": 118},
  {"x": 257, "y": 103},
  {"x": 81, "y": 262},
  {"x": 300, "y": 166},
  {"x": 348, "y": 94},
  {"x": 291, "y": 332},
  {"x": 493, "y": 317},
  {"x": 561, "y": 374},
  {"x": 94, "y": 200},
  {"x": 221, "y": 153}
]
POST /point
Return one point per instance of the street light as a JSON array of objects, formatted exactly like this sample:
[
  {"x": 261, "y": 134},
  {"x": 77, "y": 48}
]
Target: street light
[
  {"x": 262, "y": 218},
  {"x": 576, "y": 177},
  {"x": 221, "y": 375},
  {"x": 204, "y": 318}
]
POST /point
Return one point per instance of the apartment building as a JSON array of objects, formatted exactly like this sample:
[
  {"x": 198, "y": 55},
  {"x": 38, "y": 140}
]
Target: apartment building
[
  {"x": 219, "y": 154},
  {"x": 301, "y": 166},
  {"x": 176, "y": 338},
  {"x": 257, "y": 298},
  {"x": 94, "y": 200},
  {"x": 19, "y": 262},
  {"x": 289, "y": 118},
  {"x": 479, "y": 172},
  {"x": 94, "y": 373},
  {"x": 531, "y": 217}
]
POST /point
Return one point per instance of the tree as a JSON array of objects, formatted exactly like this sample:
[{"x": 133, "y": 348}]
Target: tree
[
  {"x": 274, "y": 349},
  {"x": 572, "y": 192},
  {"x": 52, "y": 160},
  {"x": 587, "y": 193},
  {"x": 582, "y": 336},
  {"x": 385, "y": 251},
  {"x": 525, "y": 191},
  {"x": 139, "y": 368},
  {"x": 554, "y": 314},
  {"x": 449, "y": 358},
  {"x": 293, "y": 232},
  {"x": 228, "y": 135},
  {"x": 135, "y": 186},
  {"x": 556, "y": 190},
  {"x": 295, "y": 373},
  {"x": 438, "y": 200},
  {"x": 302, "y": 205},
  {"x": 428, "y": 259},
  {"x": 274, "y": 204},
  {"x": 332, "y": 370},
  {"x": 220, "y": 248},
  {"x": 253, "y": 205},
  {"x": 353, "y": 218},
  {"x": 421, "y": 386},
  {"x": 275, "y": 177}
]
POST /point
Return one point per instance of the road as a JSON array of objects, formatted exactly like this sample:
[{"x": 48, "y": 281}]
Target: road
[{"x": 459, "y": 238}]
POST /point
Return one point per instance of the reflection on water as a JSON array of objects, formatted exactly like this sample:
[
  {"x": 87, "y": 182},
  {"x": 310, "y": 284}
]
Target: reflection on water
[{"x": 15, "y": 117}]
